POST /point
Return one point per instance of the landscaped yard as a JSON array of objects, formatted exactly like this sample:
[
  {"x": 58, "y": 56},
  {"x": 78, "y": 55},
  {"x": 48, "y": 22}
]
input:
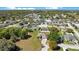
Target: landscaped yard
[{"x": 30, "y": 44}]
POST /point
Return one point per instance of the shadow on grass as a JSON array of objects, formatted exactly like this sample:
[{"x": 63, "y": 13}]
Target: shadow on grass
[
  {"x": 25, "y": 38},
  {"x": 28, "y": 36},
  {"x": 16, "y": 48},
  {"x": 57, "y": 48}
]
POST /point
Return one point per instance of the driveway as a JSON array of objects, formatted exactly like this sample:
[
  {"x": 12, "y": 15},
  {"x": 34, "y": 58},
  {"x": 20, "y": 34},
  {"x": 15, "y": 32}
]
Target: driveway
[{"x": 66, "y": 46}]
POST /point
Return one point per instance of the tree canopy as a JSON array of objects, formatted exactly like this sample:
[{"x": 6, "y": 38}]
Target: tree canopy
[
  {"x": 6, "y": 45},
  {"x": 7, "y": 33},
  {"x": 54, "y": 34}
]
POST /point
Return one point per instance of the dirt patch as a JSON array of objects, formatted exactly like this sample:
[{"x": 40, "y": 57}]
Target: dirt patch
[{"x": 31, "y": 44}]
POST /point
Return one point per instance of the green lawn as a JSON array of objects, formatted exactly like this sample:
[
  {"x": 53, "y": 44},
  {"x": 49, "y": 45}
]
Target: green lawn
[
  {"x": 31, "y": 44},
  {"x": 61, "y": 49},
  {"x": 66, "y": 42},
  {"x": 70, "y": 49}
]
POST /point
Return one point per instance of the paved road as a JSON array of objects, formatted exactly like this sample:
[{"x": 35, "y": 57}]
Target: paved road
[
  {"x": 45, "y": 48},
  {"x": 44, "y": 43},
  {"x": 65, "y": 46}
]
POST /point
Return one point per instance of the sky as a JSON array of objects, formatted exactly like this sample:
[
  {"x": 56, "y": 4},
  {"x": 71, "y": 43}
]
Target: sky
[{"x": 39, "y": 3}]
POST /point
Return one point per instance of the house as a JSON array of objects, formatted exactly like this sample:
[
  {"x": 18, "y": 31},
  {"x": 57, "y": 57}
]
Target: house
[
  {"x": 32, "y": 26},
  {"x": 9, "y": 22},
  {"x": 63, "y": 15},
  {"x": 43, "y": 27},
  {"x": 48, "y": 21},
  {"x": 76, "y": 25},
  {"x": 24, "y": 23},
  {"x": 1, "y": 25},
  {"x": 70, "y": 37}
]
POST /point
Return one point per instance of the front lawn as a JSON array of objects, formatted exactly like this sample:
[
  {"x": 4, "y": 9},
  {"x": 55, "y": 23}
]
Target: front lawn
[{"x": 70, "y": 49}]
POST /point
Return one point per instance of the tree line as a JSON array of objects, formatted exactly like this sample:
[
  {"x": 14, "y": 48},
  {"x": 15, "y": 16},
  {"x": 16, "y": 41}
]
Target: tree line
[{"x": 8, "y": 37}]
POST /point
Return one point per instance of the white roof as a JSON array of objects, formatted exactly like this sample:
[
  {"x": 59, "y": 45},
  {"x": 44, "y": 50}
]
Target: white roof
[
  {"x": 43, "y": 25},
  {"x": 48, "y": 20},
  {"x": 77, "y": 25}
]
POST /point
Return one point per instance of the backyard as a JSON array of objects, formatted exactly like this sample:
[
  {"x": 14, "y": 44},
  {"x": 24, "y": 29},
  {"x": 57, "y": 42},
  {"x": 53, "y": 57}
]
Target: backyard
[{"x": 30, "y": 44}]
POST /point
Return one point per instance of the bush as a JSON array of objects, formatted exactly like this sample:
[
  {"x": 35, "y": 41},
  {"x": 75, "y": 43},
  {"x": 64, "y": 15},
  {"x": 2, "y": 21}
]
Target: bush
[
  {"x": 52, "y": 44},
  {"x": 6, "y": 45}
]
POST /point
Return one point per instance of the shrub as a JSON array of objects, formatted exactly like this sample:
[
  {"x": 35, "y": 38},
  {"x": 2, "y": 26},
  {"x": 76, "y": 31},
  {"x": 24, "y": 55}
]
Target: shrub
[{"x": 52, "y": 44}]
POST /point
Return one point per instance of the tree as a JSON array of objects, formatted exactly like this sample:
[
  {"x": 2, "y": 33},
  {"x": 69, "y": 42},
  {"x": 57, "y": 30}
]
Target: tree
[
  {"x": 3, "y": 18},
  {"x": 24, "y": 33},
  {"x": 1, "y": 33},
  {"x": 6, "y": 45},
  {"x": 5, "y": 34},
  {"x": 54, "y": 34},
  {"x": 14, "y": 33}
]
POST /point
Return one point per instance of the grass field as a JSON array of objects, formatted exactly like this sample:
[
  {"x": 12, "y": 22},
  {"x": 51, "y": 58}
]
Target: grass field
[{"x": 30, "y": 44}]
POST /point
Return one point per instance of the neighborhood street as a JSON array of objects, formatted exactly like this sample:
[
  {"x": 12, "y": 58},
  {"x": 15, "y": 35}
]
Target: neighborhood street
[{"x": 44, "y": 43}]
